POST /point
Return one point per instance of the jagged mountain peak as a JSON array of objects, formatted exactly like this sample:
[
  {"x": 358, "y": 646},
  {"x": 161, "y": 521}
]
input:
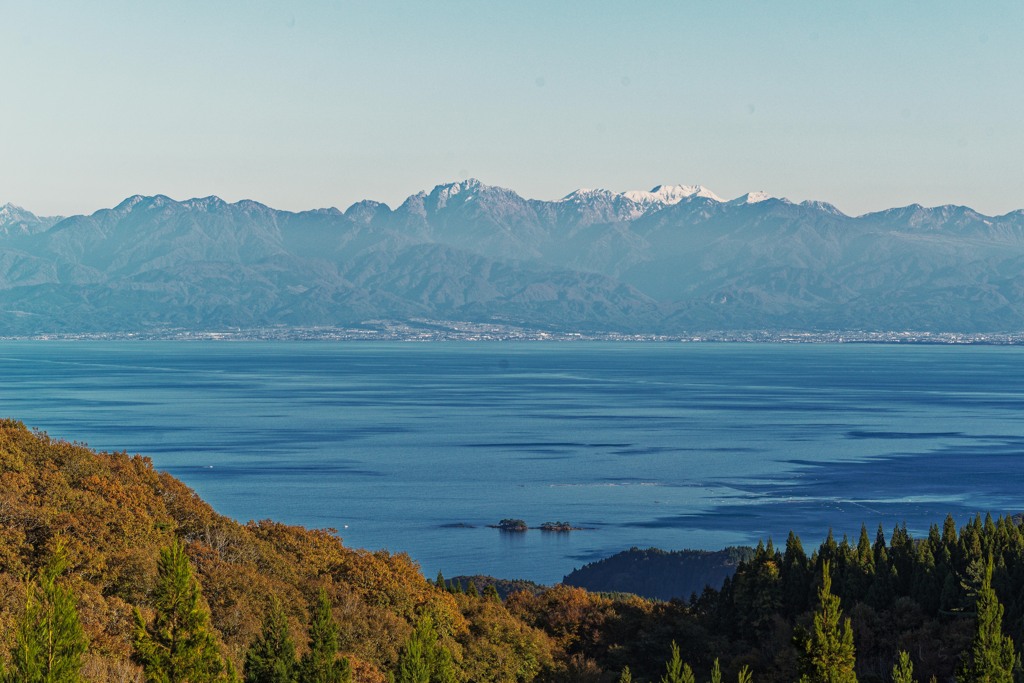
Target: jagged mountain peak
[
  {"x": 443, "y": 193},
  {"x": 209, "y": 203},
  {"x": 465, "y": 191},
  {"x": 130, "y": 202},
  {"x": 10, "y": 213},
  {"x": 366, "y": 210}
]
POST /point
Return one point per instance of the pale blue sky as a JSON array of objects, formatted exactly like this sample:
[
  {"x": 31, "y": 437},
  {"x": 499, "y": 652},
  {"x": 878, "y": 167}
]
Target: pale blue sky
[{"x": 310, "y": 104}]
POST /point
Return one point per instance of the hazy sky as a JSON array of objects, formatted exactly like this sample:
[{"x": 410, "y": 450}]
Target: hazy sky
[{"x": 309, "y": 104}]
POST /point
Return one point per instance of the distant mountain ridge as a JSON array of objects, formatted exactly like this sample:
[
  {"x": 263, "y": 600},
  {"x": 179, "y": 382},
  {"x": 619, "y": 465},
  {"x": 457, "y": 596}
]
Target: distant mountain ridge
[{"x": 675, "y": 259}]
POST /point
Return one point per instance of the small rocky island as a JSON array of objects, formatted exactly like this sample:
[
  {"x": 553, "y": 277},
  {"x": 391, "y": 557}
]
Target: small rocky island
[
  {"x": 519, "y": 526},
  {"x": 513, "y": 525}
]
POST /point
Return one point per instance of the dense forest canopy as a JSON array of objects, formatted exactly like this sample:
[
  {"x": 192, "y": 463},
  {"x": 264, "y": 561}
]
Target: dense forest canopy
[{"x": 105, "y": 537}]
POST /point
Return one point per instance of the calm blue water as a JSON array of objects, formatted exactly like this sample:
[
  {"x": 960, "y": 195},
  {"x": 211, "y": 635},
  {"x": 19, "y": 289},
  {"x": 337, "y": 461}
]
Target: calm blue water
[{"x": 670, "y": 445}]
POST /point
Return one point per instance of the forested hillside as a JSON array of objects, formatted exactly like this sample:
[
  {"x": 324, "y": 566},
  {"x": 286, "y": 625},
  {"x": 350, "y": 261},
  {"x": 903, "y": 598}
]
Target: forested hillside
[
  {"x": 115, "y": 535},
  {"x": 659, "y": 574}
]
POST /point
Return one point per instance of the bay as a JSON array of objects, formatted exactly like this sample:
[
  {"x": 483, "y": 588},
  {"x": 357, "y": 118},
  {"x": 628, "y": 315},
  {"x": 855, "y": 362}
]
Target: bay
[{"x": 418, "y": 447}]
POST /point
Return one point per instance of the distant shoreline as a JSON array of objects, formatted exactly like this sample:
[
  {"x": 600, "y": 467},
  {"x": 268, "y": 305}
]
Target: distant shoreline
[{"x": 448, "y": 331}]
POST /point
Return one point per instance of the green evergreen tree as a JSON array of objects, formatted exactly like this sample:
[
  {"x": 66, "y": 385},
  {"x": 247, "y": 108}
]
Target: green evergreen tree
[
  {"x": 179, "y": 646},
  {"x": 903, "y": 669},
  {"x": 795, "y": 577},
  {"x": 626, "y": 676},
  {"x": 320, "y": 663},
  {"x": 716, "y": 672},
  {"x": 271, "y": 657},
  {"x": 675, "y": 670},
  {"x": 828, "y": 654},
  {"x": 991, "y": 657},
  {"x": 424, "y": 659},
  {"x": 745, "y": 675},
  {"x": 49, "y": 641}
]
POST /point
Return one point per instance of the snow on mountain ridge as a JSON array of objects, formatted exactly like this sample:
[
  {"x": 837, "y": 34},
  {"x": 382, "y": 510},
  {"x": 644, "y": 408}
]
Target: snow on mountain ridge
[
  {"x": 445, "y": 192},
  {"x": 9, "y": 212},
  {"x": 668, "y": 195},
  {"x": 755, "y": 198}
]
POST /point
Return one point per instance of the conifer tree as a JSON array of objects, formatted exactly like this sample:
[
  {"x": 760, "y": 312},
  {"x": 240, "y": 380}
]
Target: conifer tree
[
  {"x": 424, "y": 659},
  {"x": 716, "y": 672},
  {"x": 675, "y": 670},
  {"x": 179, "y": 645},
  {"x": 271, "y": 657},
  {"x": 795, "y": 577},
  {"x": 49, "y": 642},
  {"x": 903, "y": 669},
  {"x": 320, "y": 663},
  {"x": 626, "y": 676},
  {"x": 828, "y": 654},
  {"x": 991, "y": 657}
]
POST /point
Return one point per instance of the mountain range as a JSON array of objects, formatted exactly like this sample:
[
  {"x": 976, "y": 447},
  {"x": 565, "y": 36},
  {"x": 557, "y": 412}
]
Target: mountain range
[{"x": 675, "y": 259}]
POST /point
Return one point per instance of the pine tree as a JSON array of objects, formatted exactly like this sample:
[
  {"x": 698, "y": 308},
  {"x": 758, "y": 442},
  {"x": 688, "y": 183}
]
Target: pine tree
[
  {"x": 49, "y": 642},
  {"x": 626, "y": 676},
  {"x": 991, "y": 657},
  {"x": 271, "y": 657},
  {"x": 795, "y": 577},
  {"x": 424, "y": 659},
  {"x": 321, "y": 664},
  {"x": 716, "y": 672},
  {"x": 828, "y": 654},
  {"x": 675, "y": 670},
  {"x": 903, "y": 669},
  {"x": 179, "y": 646}
]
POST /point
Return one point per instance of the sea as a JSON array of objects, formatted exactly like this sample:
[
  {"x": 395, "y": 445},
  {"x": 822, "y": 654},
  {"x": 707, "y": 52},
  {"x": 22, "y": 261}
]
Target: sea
[{"x": 422, "y": 447}]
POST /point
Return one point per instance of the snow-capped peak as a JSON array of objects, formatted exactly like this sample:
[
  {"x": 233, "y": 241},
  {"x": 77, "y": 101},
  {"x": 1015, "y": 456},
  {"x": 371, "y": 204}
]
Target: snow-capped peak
[
  {"x": 752, "y": 198},
  {"x": 586, "y": 193},
  {"x": 446, "y": 192},
  {"x": 670, "y": 194},
  {"x": 11, "y": 212}
]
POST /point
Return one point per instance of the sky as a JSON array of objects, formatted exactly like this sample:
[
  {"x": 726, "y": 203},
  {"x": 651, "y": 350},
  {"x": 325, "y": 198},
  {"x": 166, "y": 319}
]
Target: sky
[{"x": 309, "y": 104}]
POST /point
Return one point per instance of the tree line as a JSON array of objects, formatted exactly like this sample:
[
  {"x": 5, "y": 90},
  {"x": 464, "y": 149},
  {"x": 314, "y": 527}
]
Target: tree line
[{"x": 179, "y": 645}]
